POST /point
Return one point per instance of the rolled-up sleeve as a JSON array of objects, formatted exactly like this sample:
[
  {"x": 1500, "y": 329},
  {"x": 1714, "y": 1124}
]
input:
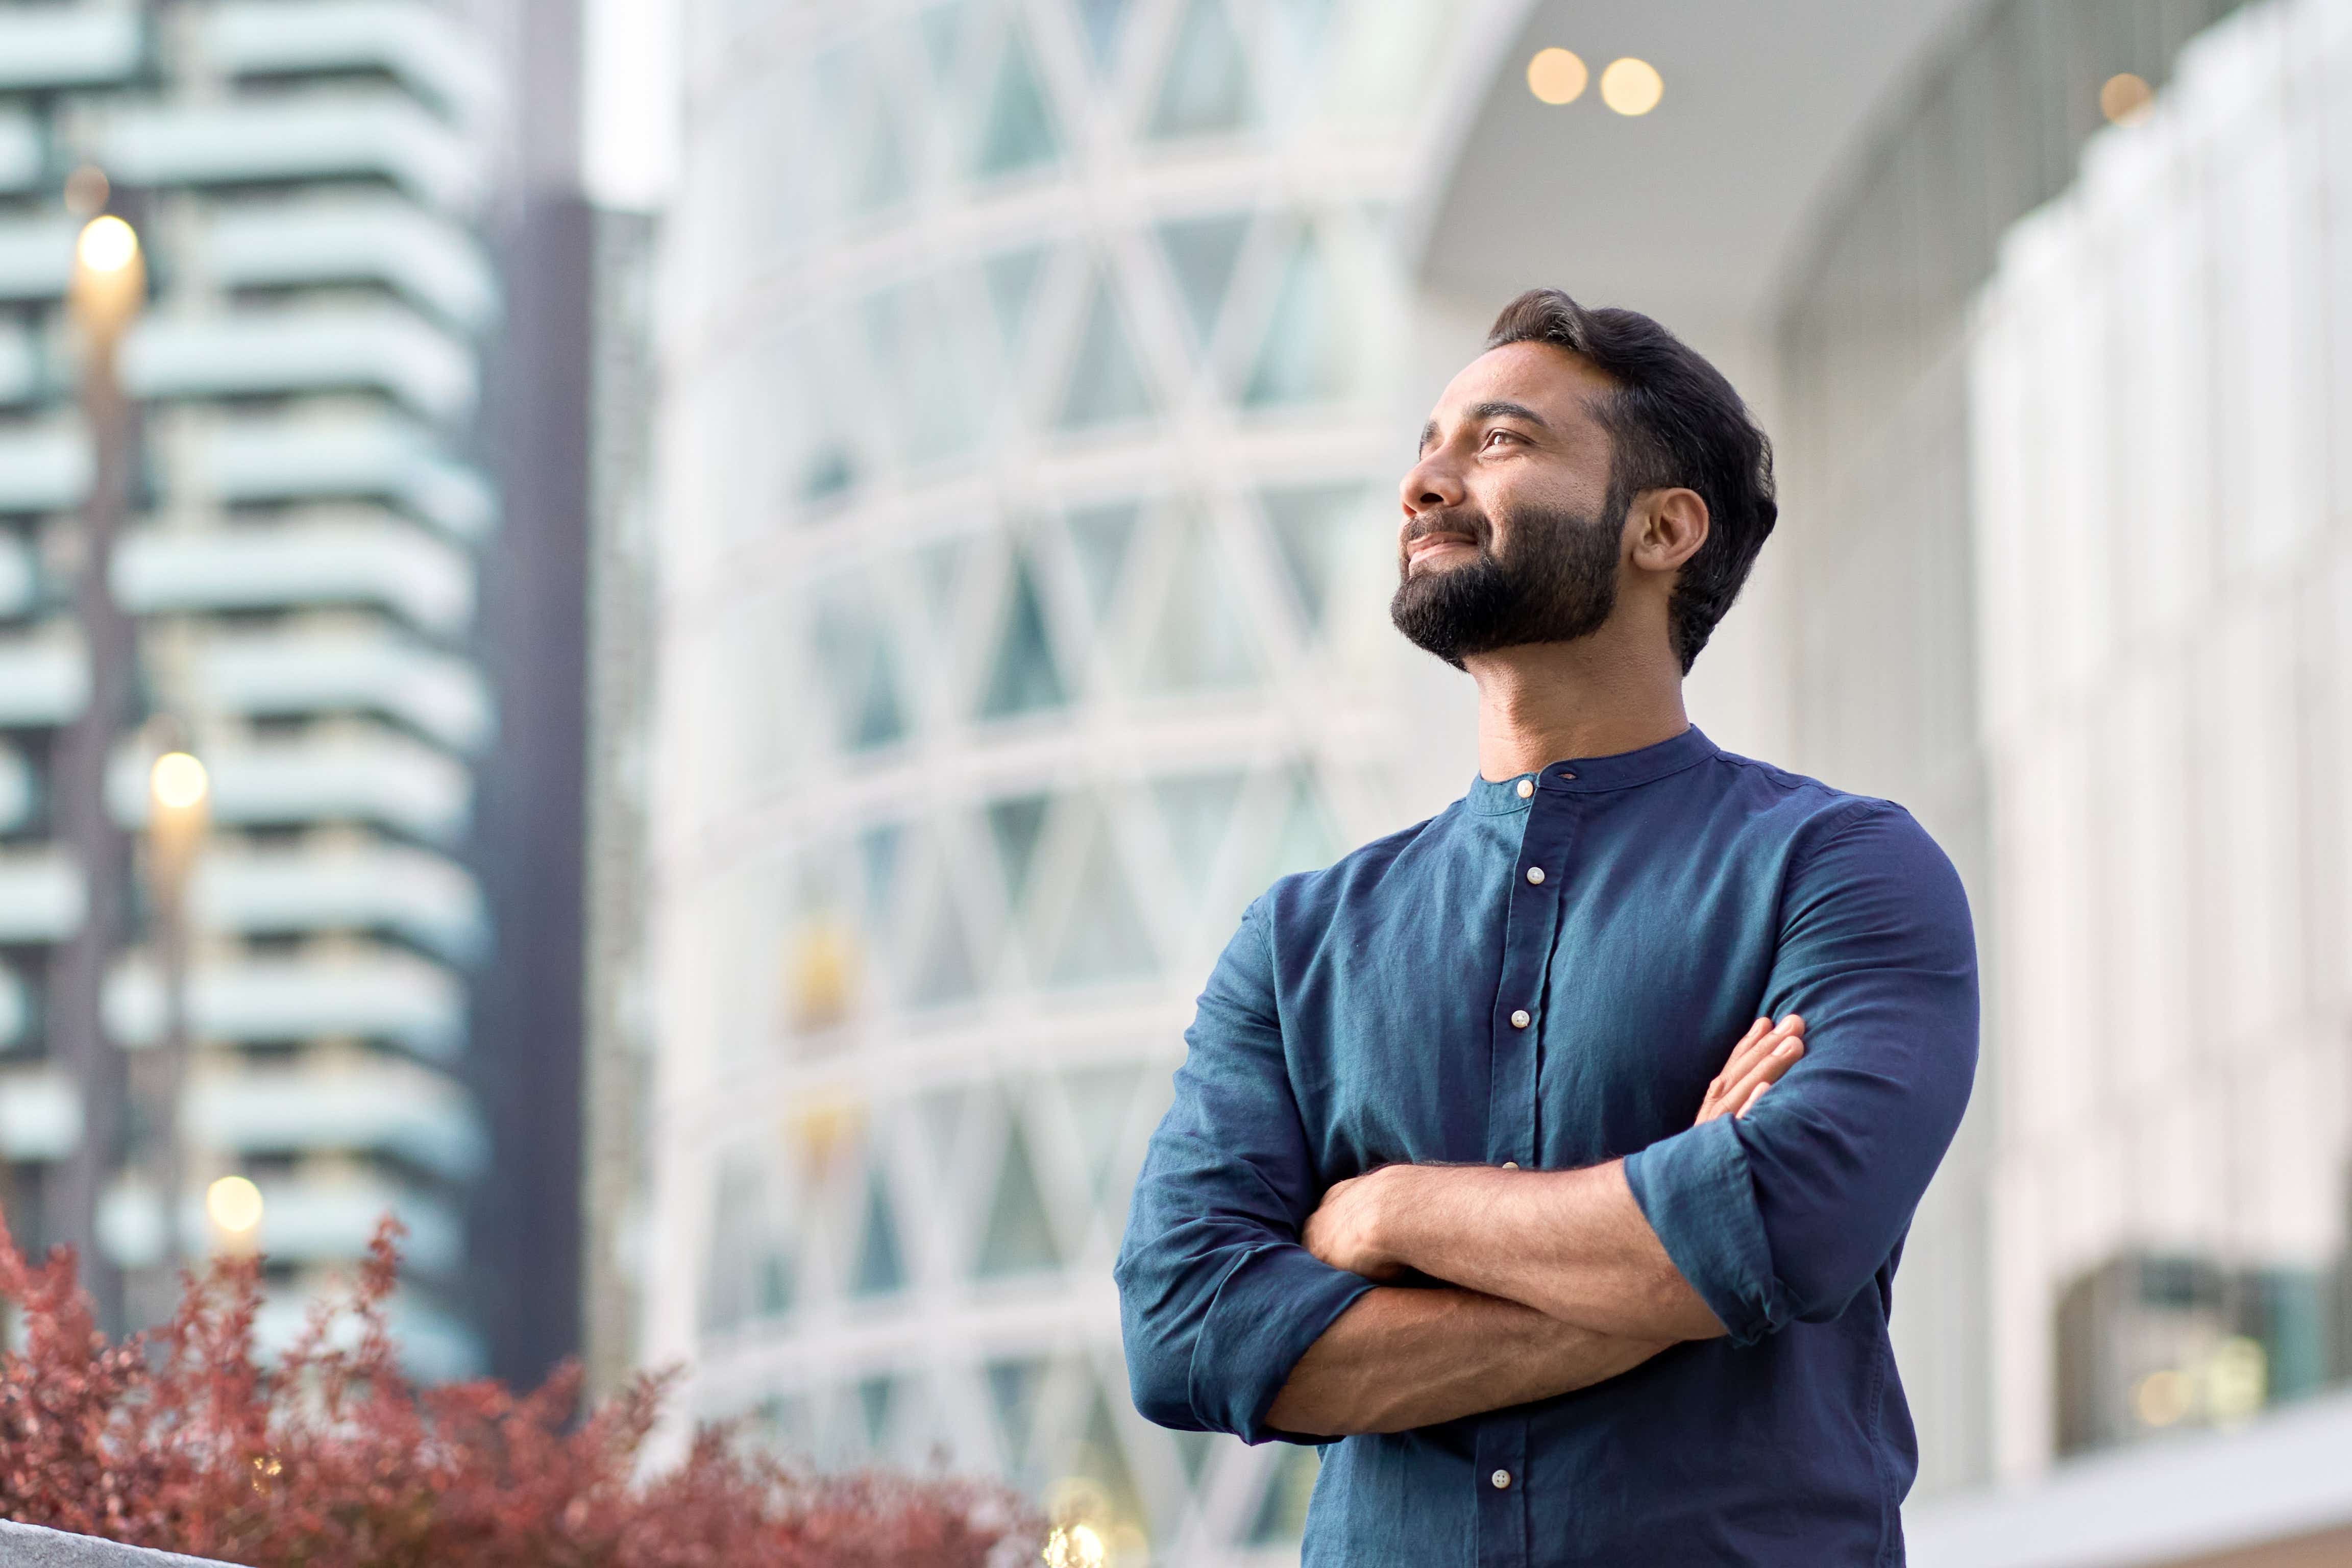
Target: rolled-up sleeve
[
  {"x": 1786, "y": 1213},
  {"x": 1217, "y": 1300}
]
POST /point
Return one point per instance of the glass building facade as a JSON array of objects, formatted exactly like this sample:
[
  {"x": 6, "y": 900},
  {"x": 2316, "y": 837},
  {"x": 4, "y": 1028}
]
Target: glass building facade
[{"x": 1028, "y": 447}]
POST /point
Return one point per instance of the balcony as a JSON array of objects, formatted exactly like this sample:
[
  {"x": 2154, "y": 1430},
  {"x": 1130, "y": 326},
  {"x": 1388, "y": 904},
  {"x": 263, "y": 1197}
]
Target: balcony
[
  {"x": 304, "y": 1220},
  {"x": 378, "y": 995},
  {"x": 44, "y": 678},
  {"x": 387, "y": 349},
  {"x": 22, "y": 151},
  {"x": 364, "y": 773},
  {"x": 36, "y": 257},
  {"x": 435, "y": 263},
  {"x": 386, "y": 1107},
  {"x": 18, "y": 789},
  {"x": 300, "y": 672},
  {"x": 430, "y": 900},
  {"x": 69, "y": 46},
  {"x": 407, "y": 41},
  {"x": 41, "y": 896},
  {"x": 42, "y": 468},
  {"x": 380, "y": 456},
  {"x": 433, "y": 1346},
  {"x": 40, "y": 1109},
  {"x": 24, "y": 365},
  {"x": 362, "y": 559},
  {"x": 315, "y": 136}
]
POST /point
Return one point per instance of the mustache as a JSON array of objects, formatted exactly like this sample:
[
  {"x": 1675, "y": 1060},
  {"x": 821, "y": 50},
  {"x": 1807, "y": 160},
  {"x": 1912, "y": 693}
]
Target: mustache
[{"x": 1464, "y": 521}]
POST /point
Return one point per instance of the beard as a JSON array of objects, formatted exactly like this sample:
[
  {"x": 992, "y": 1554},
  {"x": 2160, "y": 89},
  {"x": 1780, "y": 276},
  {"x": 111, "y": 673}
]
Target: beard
[{"x": 1555, "y": 581}]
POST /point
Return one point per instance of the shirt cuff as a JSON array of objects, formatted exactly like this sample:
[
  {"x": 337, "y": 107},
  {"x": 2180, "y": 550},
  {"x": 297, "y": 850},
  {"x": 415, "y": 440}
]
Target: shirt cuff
[
  {"x": 1696, "y": 1191},
  {"x": 1273, "y": 1305}
]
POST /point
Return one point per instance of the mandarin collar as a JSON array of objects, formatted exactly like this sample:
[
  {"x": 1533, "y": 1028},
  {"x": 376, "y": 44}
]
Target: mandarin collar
[{"x": 1584, "y": 775}]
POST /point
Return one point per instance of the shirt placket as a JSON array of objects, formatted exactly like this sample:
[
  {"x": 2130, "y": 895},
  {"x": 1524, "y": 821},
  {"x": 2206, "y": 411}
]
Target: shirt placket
[{"x": 1530, "y": 928}]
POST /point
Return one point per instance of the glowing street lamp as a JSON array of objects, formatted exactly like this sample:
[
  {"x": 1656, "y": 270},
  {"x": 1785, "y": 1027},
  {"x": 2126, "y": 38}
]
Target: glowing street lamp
[
  {"x": 234, "y": 1205},
  {"x": 108, "y": 289}
]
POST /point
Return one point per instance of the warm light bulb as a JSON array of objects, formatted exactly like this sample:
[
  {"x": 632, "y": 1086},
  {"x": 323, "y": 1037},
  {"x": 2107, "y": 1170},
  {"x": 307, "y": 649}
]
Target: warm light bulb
[
  {"x": 178, "y": 782},
  {"x": 235, "y": 1204},
  {"x": 106, "y": 244},
  {"x": 1632, "y": 87},
  {"x": 1556, "y": 76},
  {"x": 2125, "y": 99}
]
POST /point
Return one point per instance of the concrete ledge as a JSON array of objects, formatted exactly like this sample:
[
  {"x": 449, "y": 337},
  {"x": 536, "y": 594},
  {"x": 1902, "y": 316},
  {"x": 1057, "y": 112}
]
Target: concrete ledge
[
  {"x": 2208, "y": 1497},
  {"x": 30, "y": 1546}
]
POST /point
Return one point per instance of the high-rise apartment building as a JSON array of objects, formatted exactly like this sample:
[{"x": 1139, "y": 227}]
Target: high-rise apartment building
[{"x": 309, "y": 500}]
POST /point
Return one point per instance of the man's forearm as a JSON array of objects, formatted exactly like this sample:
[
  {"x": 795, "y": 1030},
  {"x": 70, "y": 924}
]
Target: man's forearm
[
  {"x": 1573, "y": 1244},
  {"x": 1401, "y": 1358}
]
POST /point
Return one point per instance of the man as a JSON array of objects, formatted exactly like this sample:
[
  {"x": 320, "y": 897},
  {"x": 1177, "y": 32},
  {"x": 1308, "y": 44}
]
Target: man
[{"x": 1458, "y": 1171}]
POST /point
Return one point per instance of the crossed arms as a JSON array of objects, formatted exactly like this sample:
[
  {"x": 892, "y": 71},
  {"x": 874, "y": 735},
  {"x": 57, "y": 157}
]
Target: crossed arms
[
  {"x": 1559, "y": 1281},
  {"x": 1250, "y": 1296}
]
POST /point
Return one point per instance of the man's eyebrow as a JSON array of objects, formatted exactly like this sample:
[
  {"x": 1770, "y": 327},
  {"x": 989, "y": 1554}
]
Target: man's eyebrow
[
  {"x": 1428, "y": 434},
  {"x": 1519, "y": 411}
]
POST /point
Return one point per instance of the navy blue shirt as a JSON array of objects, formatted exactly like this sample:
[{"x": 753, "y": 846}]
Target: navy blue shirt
[{"x": 1363, "y": 1015}]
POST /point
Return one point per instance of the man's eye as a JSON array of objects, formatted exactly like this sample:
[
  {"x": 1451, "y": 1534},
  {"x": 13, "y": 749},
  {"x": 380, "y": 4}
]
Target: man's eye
[{"x": 1495, "y": 435}]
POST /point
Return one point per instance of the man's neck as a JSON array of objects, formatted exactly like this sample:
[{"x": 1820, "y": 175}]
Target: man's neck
[{"x": 1546, "y": 702}]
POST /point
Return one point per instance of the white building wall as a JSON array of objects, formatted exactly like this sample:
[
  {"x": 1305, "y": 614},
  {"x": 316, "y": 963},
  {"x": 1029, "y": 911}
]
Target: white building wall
[{"x": 2160, "y": 404}]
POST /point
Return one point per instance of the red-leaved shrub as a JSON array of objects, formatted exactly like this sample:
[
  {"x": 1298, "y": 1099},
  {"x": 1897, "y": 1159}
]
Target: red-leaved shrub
[{"x": 330, "y": 1459}]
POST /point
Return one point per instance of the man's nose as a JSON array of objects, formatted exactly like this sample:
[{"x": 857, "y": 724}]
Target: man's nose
[{"x": 1431, "y": 486}]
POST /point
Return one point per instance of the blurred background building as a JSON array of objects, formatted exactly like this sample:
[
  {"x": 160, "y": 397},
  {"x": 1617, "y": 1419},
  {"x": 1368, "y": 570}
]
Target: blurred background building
[
  {"x": 1027, "y": 383},
  {"x": 345, "y": 581}
]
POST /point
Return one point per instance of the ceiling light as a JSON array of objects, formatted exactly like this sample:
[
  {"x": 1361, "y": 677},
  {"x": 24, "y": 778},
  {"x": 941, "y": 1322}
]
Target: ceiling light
[
  {"x": 1556, "y": 76},
  {"x": 1632, "y": 87}
]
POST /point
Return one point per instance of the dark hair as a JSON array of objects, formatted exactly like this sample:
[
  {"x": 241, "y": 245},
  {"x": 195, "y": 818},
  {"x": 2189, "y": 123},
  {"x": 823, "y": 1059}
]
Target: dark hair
[{"x": 1674, "y": 420}]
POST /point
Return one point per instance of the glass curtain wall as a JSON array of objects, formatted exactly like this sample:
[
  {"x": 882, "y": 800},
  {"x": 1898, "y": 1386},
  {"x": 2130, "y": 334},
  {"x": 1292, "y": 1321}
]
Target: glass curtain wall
[{"x": 1024, "y": 554}]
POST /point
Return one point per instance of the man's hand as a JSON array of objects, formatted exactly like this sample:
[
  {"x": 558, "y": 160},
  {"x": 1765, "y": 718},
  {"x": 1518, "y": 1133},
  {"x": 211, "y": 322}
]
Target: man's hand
[
  {"x": 1345, "y": 1230},
  {"x": 1762, "y": 1055}
]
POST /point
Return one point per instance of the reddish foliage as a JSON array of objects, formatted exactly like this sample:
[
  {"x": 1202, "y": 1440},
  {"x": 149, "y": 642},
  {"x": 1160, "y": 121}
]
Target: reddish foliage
[{"x": 332, "y": 1459}]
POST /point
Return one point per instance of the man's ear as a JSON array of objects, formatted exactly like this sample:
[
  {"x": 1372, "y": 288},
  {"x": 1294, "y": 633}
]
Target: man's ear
[{"x": 1668, "y": 527}]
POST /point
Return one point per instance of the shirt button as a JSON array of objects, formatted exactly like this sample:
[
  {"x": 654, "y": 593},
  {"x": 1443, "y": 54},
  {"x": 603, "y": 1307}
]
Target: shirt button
[
  {"x": 1527, "y": 788},
  {"x": 1534, "y": 873},
  {"x": 1511, "y": 1165},
  {"x": 1502, "y": 1480},
  {"x": 1520, "y": 1020}
]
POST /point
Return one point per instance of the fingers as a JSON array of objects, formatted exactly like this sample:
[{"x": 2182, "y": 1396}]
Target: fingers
[
  {"x": 1753, "y": 1096},
  {"x": 1766, "y": 1068},
  {"x": 1763, "y": 1038}
]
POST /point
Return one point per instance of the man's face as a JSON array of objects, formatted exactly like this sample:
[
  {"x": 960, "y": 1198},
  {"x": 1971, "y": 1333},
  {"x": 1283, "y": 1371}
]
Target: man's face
[{"x": 1511, "y": 532}]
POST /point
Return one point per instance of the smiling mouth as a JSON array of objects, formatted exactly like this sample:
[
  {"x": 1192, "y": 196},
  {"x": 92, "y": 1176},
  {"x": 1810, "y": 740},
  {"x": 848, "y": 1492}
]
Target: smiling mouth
[{"x": 1429, "y": 545}]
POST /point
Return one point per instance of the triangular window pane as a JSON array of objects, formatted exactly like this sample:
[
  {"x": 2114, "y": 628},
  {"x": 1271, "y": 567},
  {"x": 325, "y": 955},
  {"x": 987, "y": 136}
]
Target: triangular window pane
[
  {"x": 1019, "y": 133},
  {"x": 939, "y": 573},
  {"x": 1024, "y": 678},
  {"x": 830, "y": 472},
  {"x": 941, "y": 1112},
  {"x": 1192, "y": 1452},
  {"x": 1201, "y": 253},
  {"x": 1013, "y": 1390},
  {"x": 1106, "y": 385},
  {"x": 1303, "y": 356},
  {"x": 1309, "y": 526},
  {"x": 881, "y": 1270},
  {"x": 1305, "y": 840},
  {"x": 946, "y": 972},
  {"x": 1098, "y": 538},
  {"x": 1017, "y": 825},
  {"x": 1201, "y": 641},
  {"x": 738, "y": 1239},
  {"x": 859, "y": 667},
  {"x": 1100, "y": 1100},
  {"x": 1207, "y": 88},
  {"x": 1282, "y": 1515},
  {"x": 1102, "y": 1458},
  {"x": 1198, "y": 810},
  {"x": 884, "y": 179},
  {"x": 877, "y": 860},
  {"x": 1104, "y": 19},
  {"x": 942, "y": 26},
  {"x": 1019, "y": 1238},
  {"x": 875, "y": 1395},
  {"x": 1012, "y": 280},
  {"x": 1104, "y": 938}
]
